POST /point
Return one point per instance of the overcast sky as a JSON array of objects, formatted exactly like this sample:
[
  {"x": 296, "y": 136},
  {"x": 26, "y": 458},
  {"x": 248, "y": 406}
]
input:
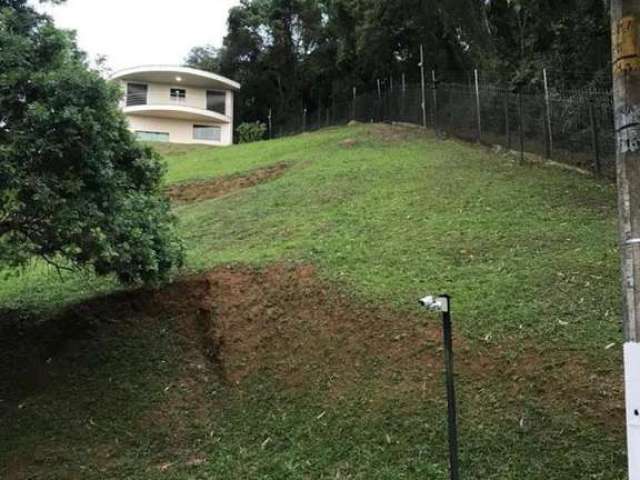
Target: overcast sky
[{"x": 141, "y": 32}]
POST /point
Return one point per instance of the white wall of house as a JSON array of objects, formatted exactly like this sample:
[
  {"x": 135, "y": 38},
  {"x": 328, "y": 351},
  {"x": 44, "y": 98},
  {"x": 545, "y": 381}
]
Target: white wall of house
[{"x": 179, "y": 130}]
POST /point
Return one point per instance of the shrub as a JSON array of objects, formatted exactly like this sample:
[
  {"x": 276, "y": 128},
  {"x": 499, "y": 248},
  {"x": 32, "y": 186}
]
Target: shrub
[{"x": 251, "y": 132}]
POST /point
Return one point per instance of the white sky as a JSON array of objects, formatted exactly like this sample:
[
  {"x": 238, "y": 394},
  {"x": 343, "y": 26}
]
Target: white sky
[{"x": 142, "y": 32}]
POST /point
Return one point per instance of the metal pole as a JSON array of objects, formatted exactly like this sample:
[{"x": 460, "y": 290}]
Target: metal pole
[
  {"x": 595, "y": 140},
  {"x": 521, "y": 127},
  {"x": 424, "y": 97},
  {"x": 454, "y": 467},
  {"x": 353, "y": 107},
  {"x": 478, "y": 112},
  {"x": 434, "y": 107},
  {"x": 442, "y": 304},
  {"x": 507, "y": 123},
  {"x": 403, "y": 97},
  {"x": 547, "y": 101},
  {"x": 270, "y": 125},
  {"x": 380, "y": 114},
  {"x": 304, "y": 119},
  {"x": 625, "y": 16},
  {"x": 390, "y": 105}
]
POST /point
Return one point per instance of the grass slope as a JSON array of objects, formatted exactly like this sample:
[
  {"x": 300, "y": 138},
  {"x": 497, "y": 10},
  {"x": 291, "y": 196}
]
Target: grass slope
[{"x": 387, "y": 214}]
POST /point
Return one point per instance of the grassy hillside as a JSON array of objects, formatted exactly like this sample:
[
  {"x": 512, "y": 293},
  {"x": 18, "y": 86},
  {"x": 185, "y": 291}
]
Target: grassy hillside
[{"x": 301, "y": 354}]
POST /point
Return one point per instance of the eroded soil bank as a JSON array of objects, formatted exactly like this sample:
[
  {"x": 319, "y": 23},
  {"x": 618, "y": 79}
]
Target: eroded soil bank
[{"x": 285, "y": 322}]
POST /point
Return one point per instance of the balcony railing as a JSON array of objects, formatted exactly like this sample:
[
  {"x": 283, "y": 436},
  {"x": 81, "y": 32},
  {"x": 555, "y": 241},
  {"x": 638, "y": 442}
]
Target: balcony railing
[{"x": 134, "y": 99}]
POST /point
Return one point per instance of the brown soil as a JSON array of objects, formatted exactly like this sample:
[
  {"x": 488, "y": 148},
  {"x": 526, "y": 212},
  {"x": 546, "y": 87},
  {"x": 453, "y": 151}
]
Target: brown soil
[
  {"x": 348, "y": 143},
  {"x": 218, "y": 187},
  {"x": 394, "y": 134},
  {"x": 285, "y": 322}
]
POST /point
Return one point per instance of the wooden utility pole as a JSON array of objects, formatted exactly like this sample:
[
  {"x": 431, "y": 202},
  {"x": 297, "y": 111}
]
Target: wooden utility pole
[
  {"x": 625, "y": 20},
  {"x": 424, "y": 98}
]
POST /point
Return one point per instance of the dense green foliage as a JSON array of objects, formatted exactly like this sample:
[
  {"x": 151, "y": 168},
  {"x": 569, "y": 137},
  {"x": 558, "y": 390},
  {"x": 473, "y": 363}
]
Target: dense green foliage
[
  {"x": 75, "y": 187},
  {"x": 290, "y": 53},
  {"x": 251, "y": 132}
]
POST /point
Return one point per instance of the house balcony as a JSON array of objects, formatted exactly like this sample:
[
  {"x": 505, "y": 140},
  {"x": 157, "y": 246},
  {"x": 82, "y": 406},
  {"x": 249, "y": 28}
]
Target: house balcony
[{"x": 165, "y": 106}]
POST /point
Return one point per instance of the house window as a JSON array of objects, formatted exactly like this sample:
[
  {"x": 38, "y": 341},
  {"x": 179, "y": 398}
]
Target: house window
[
  {"x": 136, "y": 94},
  {"x": 152, "y": 136},
  {"x": 207, "y": 132},
  {"x": 216, "y": 101},
  {"x": 178, "y": 95}
]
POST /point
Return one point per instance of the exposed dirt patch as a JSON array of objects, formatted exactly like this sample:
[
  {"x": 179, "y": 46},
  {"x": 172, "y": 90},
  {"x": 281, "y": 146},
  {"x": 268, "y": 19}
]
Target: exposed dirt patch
[
  {"x": 218, "y": 187},
  {"x": 304, "y": 332},
  {"x": 395, "y": 133},
  {"x": 348, "y": 143}
]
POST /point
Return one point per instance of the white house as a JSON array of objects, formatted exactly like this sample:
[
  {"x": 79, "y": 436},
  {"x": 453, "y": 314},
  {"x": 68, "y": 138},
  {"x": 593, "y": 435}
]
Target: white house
[{"x": 178, "y": 104}]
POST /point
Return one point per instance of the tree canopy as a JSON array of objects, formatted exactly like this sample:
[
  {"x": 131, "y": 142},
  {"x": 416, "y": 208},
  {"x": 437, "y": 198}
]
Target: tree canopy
[
  {"x": 290, "y": 53},
  {"x": 76, "y": 189}
]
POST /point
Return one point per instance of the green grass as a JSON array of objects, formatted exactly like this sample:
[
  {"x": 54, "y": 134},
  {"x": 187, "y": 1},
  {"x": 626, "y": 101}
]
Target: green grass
[
  {"x": 528, "y": 252},
  {"x": 397, "y": 219}
]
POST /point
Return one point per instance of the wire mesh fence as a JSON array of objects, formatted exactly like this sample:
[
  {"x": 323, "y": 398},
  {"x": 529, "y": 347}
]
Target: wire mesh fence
[{"x": 571, "y": 127}]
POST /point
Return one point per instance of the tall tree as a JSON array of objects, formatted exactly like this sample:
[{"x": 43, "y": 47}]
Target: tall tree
[
  {"x": 290, "y": 53},
  {"x": 75, "y": 187}
]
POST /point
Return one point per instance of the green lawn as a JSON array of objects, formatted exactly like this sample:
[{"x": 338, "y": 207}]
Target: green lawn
[{"x": 385, "y": 215}]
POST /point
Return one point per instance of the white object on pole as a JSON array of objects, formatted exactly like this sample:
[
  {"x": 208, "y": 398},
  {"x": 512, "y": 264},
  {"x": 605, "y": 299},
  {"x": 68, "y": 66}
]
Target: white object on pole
[
  {"x": 632, "y": 387},
  {"x": 436, "y": 304}
]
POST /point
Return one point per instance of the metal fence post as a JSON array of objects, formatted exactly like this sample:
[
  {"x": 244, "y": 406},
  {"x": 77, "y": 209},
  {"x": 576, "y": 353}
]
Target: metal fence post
[
  {"x": 521, "y": 127},
  {"x": 353, "y": 105},
  {"x": 391, "y": 107},
  {"x": 442, "y": 304},
  {"x": 595, "y": 140},
  {"x": 547, "y": 103},
  {"x": 403, "y": 97},
  {"x": 507, "y": 122},
  {"x": 380, "y": 114},
  {"x": 304, "y": 119},
  {"x": 423, "y": 104},
  {"x": 478, "y": 112},
  {"x": 270, "y": 125},
  {"x": 451, "y": 395},
  {"x": 434, "y": 107}
]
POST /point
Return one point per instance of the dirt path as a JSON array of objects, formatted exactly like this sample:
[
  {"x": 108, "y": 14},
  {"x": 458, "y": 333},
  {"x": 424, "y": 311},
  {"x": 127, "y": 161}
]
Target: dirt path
[{"x": 218, "y": 187}]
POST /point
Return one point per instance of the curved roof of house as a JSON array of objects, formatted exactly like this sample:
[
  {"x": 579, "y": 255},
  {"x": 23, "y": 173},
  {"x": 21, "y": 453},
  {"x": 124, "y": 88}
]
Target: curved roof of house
[{"x": 175, "y": 75}]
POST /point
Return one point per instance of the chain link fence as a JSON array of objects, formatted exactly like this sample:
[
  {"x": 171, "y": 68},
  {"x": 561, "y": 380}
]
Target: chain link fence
[{"x": 571, "y": 127}]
